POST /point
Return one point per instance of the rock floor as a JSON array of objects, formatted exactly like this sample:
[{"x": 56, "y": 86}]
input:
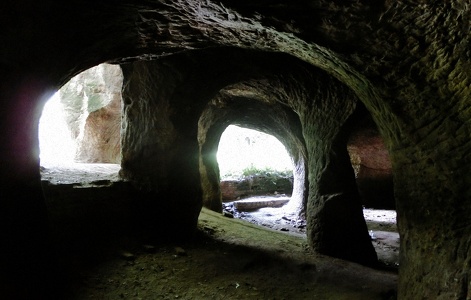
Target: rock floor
[
  {"x": 226, "y": 259},
  {"x": 381, "y": 225}
]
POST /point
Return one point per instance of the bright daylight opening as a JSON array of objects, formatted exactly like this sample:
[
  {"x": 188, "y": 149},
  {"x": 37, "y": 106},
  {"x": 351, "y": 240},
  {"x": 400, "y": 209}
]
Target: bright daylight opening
[
  {"x": 55, "y": 139},
  {"x": 243, "y": 150},
  {"x": 257, "y": 179},
  {"x": 79, "y": 129}
]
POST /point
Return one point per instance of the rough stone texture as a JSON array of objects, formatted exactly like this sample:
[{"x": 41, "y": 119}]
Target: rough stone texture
[
  {"x": 372, "y": 165},
  {"x": 159, "y": 144},
  {"x": 408, "y": 62},
  {"x": 247, "y": 106},
  {"x": 92, "y": 104},
  {"x": 101, "y": 138}
]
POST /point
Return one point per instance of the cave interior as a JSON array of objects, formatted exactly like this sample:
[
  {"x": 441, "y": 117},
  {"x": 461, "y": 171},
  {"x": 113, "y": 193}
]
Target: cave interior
[{"x": 333, "y": 81}]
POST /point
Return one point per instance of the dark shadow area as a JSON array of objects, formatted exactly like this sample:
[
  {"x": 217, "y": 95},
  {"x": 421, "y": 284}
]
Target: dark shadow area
[
  {"x": 372, "y": 164},
  {"x": 103, "y": 249},
  {"x": 146, "y": 269}
]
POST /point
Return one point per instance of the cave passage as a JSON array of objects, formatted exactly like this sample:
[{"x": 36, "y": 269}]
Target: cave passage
[
  {"x": 371, "y": 162},
  {"x": 81, "y": 122},
  {"x": 255, "y": 170},
  {"x": 244, "y": 149},
  {"x": 301, "y": 69}
]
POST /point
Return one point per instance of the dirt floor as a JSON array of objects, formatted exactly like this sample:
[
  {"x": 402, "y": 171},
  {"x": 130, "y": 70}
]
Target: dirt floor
[{"x": 228, "y": 258}]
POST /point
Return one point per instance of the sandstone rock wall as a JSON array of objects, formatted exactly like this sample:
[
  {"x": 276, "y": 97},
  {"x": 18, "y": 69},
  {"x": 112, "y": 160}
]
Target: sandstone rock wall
[
  {"x": 92, "y": 103},
  {"x": 372, "y": 165}
]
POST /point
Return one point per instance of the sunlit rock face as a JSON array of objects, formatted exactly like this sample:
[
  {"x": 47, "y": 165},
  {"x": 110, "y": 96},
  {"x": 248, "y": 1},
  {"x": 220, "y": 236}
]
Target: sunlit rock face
[
  {"x": 92, "y": 104},
  {"x": 100, "y": 142}
]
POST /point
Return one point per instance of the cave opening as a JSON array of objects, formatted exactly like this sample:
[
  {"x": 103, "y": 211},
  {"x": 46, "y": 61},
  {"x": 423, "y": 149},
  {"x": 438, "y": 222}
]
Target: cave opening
[
  {"x": 81, "y": 122},
  {"x": 253, "y": 163},
  {"x": 257, "y": 179},
  {"x": 54, "y": 131},
  {"x": 79, "y": 128},
  {"x": 242, "y": 151},
  {"x": 372, "y": 167}
]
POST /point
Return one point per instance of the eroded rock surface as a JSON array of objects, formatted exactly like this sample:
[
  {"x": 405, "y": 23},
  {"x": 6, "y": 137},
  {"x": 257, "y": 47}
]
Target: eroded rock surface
[
  {"x": 372, "y": 165},
  {"x": 406, "y": 61},
  {"x": 92, "y": 103}
]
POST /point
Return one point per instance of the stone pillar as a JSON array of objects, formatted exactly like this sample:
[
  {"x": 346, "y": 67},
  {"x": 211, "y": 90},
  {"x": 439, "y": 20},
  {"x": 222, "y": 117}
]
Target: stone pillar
[
  {"x": 160, "y": 148},
  {"x": 297, "y": 203},
  {"x": 335, "y": 222},
  {"x": 433, "y": 192},
  {"x": 209, "y": 167}
]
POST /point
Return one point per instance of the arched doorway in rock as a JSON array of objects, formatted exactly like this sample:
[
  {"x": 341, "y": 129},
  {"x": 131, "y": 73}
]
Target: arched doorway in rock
[
  {"x": 256, "y": 172},
  {"x": 79, "y": 129},
  {"x": 276, "y": 120},
  {"x": 89, "y": 106},
  {"x": 80, "y": 155},
  {"x": 374, "y": 179}
]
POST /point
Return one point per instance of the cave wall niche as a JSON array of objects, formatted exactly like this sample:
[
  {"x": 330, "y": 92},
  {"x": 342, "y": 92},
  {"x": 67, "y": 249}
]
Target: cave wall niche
[{"x": 372, "y": 164}]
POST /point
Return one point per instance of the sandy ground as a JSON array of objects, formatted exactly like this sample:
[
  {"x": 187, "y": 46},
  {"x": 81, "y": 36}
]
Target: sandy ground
[{"x": 228, "y": 258}]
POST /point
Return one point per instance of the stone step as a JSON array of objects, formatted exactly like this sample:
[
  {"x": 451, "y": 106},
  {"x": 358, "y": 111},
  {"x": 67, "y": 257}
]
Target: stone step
[{"x": 251, "y": 204}]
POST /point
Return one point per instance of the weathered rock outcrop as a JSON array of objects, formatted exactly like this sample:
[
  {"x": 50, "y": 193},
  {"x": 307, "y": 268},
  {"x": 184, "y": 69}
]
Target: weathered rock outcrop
[
  {"x": 92, "y": 104},
  {"x": 406, "y": 61},
  {"x": 100, "y": 142}
]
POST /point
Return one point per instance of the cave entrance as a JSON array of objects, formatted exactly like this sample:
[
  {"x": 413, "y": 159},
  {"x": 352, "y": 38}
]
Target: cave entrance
[
  {"x": 79, "y": 129},
  {"x": 80, "y": 155},
  {"x": 257, "y": 179}
]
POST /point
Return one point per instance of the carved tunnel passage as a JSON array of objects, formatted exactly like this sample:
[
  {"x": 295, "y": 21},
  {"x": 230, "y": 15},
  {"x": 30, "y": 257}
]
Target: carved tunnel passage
[
  {"x": 174, "y": 110},
  {"x": 246, "y": 103},
  {"x": 82, "y": 121},
  {"x": 288, "y": 100},
  {"x": 273, "y": 119}
]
